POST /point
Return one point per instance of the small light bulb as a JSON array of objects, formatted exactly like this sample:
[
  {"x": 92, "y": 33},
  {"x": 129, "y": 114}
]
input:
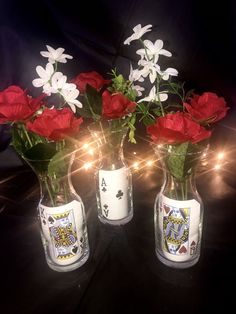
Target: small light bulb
[
  {"x": 220, "y": 155},
  {"x": 85, "y": 146},
  {"x": 136, "y": 165},
  {"x": 149, "y": 163},
  {"x": 87, "y": 165},
  {"x": 217, "y": 167},
  {"x": 91, "y": 152},
  {"x": 134, "y": 153}
]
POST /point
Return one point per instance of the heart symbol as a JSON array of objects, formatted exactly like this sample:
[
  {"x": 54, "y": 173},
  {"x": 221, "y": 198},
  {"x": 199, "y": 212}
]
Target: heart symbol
[
  {"x": 183, "y": 249},
  {"x": 167, "y": 209},
  {"x": 193, "y": 243}
]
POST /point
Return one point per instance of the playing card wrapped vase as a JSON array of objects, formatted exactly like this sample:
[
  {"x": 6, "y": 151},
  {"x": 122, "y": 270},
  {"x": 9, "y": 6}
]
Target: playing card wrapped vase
[
  {"x": 60, "y": 212},
  {"x": 178, "y": 209},
  {"x": 113, "y": 177}
]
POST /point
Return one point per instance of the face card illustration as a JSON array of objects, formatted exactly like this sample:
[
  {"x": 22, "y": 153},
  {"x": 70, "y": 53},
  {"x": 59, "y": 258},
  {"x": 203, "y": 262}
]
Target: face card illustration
[
  {"x": 62, "y": 228},
  {"x": 176, "y": 229}
]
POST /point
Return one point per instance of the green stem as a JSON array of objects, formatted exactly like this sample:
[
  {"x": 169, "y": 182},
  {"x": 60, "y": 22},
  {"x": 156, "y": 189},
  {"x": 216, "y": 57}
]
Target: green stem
[
  {"x": 186, "y": 188},
  {"x": 27, "y": 136},
  {"x": 103, "y": 134},
  {"x": 49, "y": 193},
  {"x": 182, "y": 191}
]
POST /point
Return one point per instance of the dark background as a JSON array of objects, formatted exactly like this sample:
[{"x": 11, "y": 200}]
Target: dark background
[
  {"x": 123, "y": 273},
  {"x": 200, "y": 34}
]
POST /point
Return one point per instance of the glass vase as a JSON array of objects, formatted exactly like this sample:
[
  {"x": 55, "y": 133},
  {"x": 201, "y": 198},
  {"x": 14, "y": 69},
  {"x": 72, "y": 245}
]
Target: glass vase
[
  {"x": 61, "y": 215},
  {"x": 113, "y": 177},
  {"x": 178, "y": 209}
]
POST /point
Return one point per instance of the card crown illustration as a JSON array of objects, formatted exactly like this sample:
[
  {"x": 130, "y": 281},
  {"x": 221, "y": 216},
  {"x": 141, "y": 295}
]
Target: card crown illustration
[{"x": 61, "y": 215}]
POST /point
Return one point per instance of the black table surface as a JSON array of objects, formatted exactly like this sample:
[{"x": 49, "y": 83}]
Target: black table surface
[{"x": 123, "y": 274}]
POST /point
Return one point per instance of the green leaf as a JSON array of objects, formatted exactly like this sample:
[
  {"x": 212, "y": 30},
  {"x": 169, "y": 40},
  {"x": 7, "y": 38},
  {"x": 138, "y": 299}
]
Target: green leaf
[
  {"x": 182, "y": 158},
  {"x": 17, "y": 142},
  {"x": 85, "y": 112},
  {"x": 148, "y": 120},
  {"x": 94, "y": 100},
  {"x": 39, "y": 155},
  {"x": 176, "y": 160},
  {"x": 157, "y": 112},
  {"x": 58, "y": 165}
]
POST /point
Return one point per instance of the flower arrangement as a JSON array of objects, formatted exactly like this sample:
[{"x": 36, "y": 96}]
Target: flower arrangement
[
  {"x": 42, "y": 134},
  {"x": 182, "y": 126}
]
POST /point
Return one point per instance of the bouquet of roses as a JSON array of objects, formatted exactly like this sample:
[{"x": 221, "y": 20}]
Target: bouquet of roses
[
  {"x": 42, "y": 134},
  {"x": 108, "y": 102}
]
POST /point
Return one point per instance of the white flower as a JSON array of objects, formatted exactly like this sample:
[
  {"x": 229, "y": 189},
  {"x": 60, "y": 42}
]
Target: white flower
[
  {"x": 135, "y": 75},
  {"x": 44, "y": 74},
  {"x": 154, "y": 96},
  {"x": 168, "y": 72},
  {"x": 58, "y": 81},
  {"x": 138, "y": 89},
  {"x": 152, "y": 51},
  {"x": 139, "y": 31},
  {"x": 55, "y": 55},
  {"x": 149, "y": 69},
  {"x": 47, "y": 89},
  {"x": 70, "y": 97}
]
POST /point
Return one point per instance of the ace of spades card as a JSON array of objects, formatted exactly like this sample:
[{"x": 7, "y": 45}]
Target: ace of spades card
[{"x": 113, "y": 189}]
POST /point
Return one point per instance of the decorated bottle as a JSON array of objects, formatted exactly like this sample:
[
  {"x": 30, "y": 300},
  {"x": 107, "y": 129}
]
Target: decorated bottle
[
  {"x": 178, "y": 209},
  {"x": 113, "y": 176}
]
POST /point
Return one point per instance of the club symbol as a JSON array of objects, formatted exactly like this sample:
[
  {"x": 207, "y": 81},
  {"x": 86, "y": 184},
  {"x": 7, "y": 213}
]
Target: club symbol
[
  {"x": 106, "y": 211},
  {"x": 119, "y": 194},
  {"x": 104, "y": 189},
  {"x": 44, "y": 221}
]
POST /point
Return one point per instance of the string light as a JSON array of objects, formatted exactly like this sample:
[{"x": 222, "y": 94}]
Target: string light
[
  {"x": 220, "y": 155},
  {"x": 149, "y": 163},
  {"x": 136, "y": 165},
  {"x": 85, "y": 146},
  {"x": 91, "y": 151},
  {"x": 87, "y": 165},
  {"x": 217, "y": 167},
  {"x": 134, "y": 153}
]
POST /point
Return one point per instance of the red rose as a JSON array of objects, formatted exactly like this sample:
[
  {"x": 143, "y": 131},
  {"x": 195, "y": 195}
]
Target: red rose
[
  {"x": 93, "y": 79},
  {"x": 116, "y": 105},
  {"x": 55, "y": 124},
  {"x": 207, "y": 108},
  {"x": 177, "y": 128},
  {"x": 16, "y": 105}
]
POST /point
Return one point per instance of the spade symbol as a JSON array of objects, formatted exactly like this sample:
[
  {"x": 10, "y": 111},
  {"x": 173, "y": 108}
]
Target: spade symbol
[
  {"x": 51, "y": 220},
  {"x": 75, "y": 249},
  {"x": 119, "y": 194}
]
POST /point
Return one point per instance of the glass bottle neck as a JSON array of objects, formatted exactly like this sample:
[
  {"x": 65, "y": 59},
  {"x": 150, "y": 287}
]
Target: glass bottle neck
[
  {"x": 110, "y": 147},
  {"x": 184, "y": 189},
  {"x": 54, "y": 191}
]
